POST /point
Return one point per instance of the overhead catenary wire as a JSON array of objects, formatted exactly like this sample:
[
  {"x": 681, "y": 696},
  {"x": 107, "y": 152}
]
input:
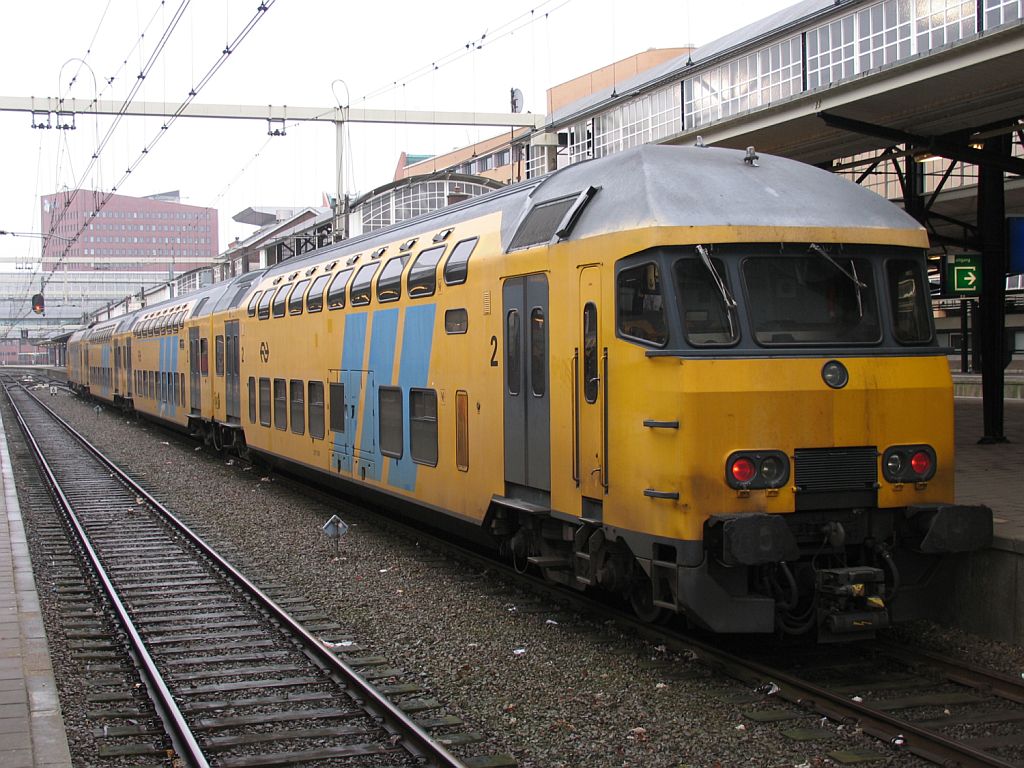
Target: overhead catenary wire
[{"x": 229, "y": 48}]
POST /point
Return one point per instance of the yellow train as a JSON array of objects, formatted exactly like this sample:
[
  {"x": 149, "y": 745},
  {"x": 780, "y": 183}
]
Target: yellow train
[{"x": 704, "y": 381}]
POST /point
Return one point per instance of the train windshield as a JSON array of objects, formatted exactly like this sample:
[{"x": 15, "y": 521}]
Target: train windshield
[{"x": 812, "y": 299}]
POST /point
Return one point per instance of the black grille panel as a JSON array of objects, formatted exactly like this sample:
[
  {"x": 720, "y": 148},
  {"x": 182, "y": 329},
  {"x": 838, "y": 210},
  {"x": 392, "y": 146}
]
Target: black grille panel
[{"x": 818, "y": 470}]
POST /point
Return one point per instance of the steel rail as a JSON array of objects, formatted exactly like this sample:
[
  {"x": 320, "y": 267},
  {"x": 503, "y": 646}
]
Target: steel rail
[
  {"x": 414, "y": 739},
  {"x": 888, "y": 729},
  {"x": 182, "y": 738}
]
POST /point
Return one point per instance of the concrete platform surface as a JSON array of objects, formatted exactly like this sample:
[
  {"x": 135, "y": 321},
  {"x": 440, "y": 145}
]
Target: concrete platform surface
[{"x": 31, "y": 727}]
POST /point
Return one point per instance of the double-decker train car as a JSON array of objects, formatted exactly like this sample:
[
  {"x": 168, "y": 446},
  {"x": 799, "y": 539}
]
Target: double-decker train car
[{"x": 702, "y": 380}]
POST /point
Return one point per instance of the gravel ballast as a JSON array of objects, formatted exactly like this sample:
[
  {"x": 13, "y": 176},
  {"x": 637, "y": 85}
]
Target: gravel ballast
[{"x": 553, "y": 688}]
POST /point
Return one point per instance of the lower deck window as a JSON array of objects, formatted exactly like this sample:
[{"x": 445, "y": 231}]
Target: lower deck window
[
  {"x": 297, "y": 403},
  {"x": 423, "y": 426},
  {"x": 264, "y": 401},
  {"x": 252, "y": 400},
  {"x": 389, "y": 400},
  {"x": 280, "y": 404},
  {"x": 337, "y": 407},
  {"x": 316, "y": 409}
]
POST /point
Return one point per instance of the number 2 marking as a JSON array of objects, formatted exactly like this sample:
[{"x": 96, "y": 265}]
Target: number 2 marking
[{"x": 494, "y": 351}]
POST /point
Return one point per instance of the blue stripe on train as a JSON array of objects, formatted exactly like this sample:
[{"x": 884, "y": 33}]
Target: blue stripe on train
[
  {"x": 383, "y": 336},
  {"x": 353, "y": 347},
  {"x": 413, "y": 370}
]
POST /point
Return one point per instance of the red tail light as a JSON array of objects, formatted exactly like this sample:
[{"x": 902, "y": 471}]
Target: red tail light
[
  {"x": 921, "y": 463},
  {"x": 743, "y": 470}
]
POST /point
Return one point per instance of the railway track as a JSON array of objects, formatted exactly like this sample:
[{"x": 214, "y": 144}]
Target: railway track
[
  {"x": 911, "y": 701},
  {"x": 233, "y": 678}
]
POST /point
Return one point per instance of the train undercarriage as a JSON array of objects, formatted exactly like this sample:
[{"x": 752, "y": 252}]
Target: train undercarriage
[{"x": 835, "y": 575}]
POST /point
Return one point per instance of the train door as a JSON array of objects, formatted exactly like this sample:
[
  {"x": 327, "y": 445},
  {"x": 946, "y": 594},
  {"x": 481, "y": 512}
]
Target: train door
[
  {"x": 348, "y": 423},
  {"x": 590, "y": 394},
  {"x": 129, "y": 384},
  {"x": 194, "y": 370},
  {"x": 527, "y": 407},
  {"x": 232, "y": 383},
  {"x": 118, "y": 349}
]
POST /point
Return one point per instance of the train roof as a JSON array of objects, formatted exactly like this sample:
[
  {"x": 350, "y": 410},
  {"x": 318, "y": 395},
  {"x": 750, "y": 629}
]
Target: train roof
[{"x": 660, "y": 185}]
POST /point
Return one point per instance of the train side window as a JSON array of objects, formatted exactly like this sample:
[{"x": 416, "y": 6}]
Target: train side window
[
  {"x": 252, "y": 400},
  {"x": 908, "y": 296},
  {"x": 315, "y": 296},
  {"x": 336, "y": 293},
  {"x": 264, "y": 401},
  {"x": 456, "y": 269},
  {"x": 462, "y": 430},
  {"x": 297, "y": 403},
  {"x": 641, "y": 311},
  {"x": 512, "y": 351},
  {"x": 456, "y": 321},
  {"x": 337, "y": 407},
  {"x": 204, "y": 356},
  {"x": 280, "y": 300},
  {"x": 423, "y": 272},
  {"x": 591, "y": 377},
  {"x": 218, "y": 355},
  {"x": 296, "y": 296},
  {"x": 263, "y": 310},
  {"x": 389, "y": 285},
  {"x": 423, "y": 426},
  {"x": 389, "y": 402},
  {"x": 280, "y": 404},
  {"x": 181, "y": 388},
  {"x": 538, "y": 352},
  {"x": 361, "y": 284},
  {"x": 316, "y": 409}
]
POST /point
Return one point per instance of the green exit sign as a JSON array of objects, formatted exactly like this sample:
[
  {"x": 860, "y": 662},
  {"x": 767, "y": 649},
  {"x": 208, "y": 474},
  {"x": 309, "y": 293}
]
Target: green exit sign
[{"x": 964, "y": 275}]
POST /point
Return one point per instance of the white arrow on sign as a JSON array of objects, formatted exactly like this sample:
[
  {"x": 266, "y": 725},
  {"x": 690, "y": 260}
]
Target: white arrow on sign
[{"x": 968, "y": 279}]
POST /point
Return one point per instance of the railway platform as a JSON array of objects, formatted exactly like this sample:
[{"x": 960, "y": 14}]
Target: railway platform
[
  {"x": 31, "y": 727},
  {"x": 988, "y": 593}
]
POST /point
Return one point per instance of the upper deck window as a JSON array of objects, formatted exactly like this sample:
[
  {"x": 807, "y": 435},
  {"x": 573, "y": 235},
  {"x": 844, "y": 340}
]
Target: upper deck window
[
  {"x": 813, "y": 299},
  {"x": 423, "y": 273},
  {"x": 336, "y": 293},
  {"x": 280, "y": 298},
  {"x": 389, "y": 286},
  {"x": 264, "y": 306},
  {"x": 315, "y": 296},
  {"x": 457, "y": 267},
  {"x": 295, "y": 300},
  {"x": 361, "y": 284}
]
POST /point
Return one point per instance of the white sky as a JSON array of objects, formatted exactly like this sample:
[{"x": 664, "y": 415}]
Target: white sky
[{"x": 291, "y": 57}]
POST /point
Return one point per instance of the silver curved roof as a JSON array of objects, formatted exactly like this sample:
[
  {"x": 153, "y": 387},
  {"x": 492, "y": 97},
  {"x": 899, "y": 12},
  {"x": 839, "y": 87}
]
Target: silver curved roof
[{"x": 661, "y": 185}]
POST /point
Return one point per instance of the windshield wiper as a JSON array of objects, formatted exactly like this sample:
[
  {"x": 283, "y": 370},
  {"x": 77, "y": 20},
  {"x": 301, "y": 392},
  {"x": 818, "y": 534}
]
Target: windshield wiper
[
  {"x": 852, "y": 275},
  {"x": 727, "y": 298}
]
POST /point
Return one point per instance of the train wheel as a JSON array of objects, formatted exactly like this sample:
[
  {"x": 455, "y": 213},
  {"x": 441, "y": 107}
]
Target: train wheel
[{"x": 641, "y": 598}]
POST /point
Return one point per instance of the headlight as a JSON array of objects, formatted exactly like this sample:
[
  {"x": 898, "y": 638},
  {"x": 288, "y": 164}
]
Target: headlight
[
  {"x": 835, "y": 374},
  {"x": 908, "y": 463},
  {"x": 753, "y": 470}
]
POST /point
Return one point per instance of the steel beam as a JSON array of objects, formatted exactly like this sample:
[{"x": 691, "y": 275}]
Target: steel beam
[
  {"x": 267, "y": 112},
  {"x": 992, "y": 307},
  {"x": 934, "y": 145}
]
